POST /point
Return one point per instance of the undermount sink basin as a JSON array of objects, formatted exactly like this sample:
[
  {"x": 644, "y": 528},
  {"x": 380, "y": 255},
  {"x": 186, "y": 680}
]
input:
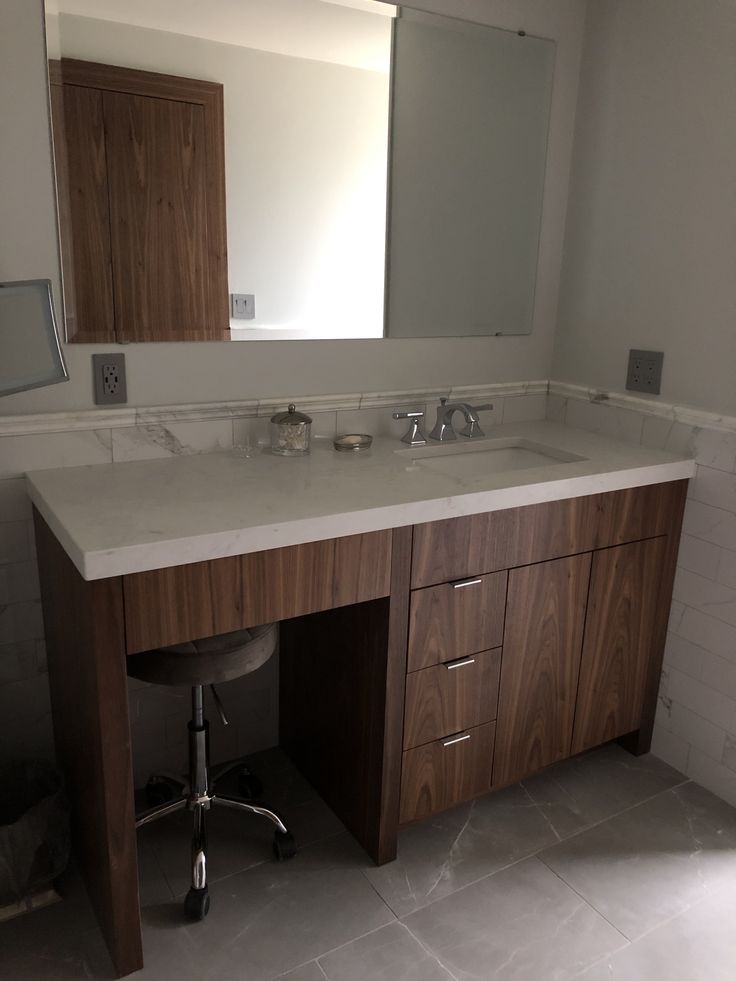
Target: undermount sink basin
[{"x": 476, "y": 458}]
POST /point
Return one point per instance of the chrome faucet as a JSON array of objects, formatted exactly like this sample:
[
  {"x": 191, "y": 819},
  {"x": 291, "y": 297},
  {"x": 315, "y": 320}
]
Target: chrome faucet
[{"x": 443, "y": 430}]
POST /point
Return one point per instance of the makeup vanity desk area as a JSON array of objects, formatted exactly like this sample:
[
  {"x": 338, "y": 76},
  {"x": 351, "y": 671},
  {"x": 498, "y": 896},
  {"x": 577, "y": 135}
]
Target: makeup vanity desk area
[{"x": 548, "y": 589}]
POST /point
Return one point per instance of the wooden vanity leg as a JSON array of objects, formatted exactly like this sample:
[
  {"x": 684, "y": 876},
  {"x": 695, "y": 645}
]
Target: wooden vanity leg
[
  {"x": 85, "y": 647},
  {"x": 342, "y": 679}
]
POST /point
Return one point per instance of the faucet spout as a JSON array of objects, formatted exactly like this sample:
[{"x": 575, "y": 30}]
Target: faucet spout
[{"x": 443, "y": 429}]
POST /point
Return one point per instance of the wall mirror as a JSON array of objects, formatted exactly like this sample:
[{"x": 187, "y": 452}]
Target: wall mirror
[{"x": 227, "y": 173}]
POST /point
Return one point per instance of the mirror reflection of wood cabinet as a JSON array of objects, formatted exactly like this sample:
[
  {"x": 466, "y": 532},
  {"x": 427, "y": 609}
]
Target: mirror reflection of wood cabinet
[{"x": 141, "y": 173}]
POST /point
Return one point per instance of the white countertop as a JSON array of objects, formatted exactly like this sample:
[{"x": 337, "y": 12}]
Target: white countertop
[{"x": 120, "y": 518}]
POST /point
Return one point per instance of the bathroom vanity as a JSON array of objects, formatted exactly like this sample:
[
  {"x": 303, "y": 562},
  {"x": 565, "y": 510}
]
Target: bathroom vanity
[{"x": 446, "y": 630}]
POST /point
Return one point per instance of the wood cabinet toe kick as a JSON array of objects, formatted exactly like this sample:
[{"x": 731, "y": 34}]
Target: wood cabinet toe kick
[{"x": 419, "y": 667}]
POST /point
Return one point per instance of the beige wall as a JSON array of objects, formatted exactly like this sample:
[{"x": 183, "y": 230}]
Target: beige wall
[
  {"x": 650, "y": 256},
  {"x": 166, "y": 373}
]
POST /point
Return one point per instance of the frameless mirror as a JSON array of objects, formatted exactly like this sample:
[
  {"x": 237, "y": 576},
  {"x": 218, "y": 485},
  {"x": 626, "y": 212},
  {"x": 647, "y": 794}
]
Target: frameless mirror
[
  {"x": 308, "y": 87},
  {"x": 468, "y": 150},
  {"x": 30, "y": 354}
]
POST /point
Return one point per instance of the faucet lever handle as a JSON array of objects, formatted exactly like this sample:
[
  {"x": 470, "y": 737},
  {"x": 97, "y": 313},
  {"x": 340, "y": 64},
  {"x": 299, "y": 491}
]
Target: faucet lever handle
[
  {"x": 414, "y": 435},
  {"x": 472, "y": 429}
]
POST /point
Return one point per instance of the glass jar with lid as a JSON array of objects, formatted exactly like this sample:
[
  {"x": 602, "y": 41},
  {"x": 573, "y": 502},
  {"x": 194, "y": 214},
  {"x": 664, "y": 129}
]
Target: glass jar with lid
[{"x": 290, "y": 432}]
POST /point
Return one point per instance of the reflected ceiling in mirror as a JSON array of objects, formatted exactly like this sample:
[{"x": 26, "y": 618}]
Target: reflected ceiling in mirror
[{"x": 306, "y": 103}]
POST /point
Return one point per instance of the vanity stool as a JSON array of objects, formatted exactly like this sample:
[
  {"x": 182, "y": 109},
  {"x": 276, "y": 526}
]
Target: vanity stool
[{"x": 198, "y": 663}]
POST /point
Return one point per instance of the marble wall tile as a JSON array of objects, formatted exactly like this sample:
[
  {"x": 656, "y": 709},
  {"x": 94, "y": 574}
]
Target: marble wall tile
[
  {"x": 556, "y": 409},
  {"x": 40, "y": 451},
  {"x": 15, "y": 543},
  {"x": 714, "y": 487},
  {"x": 709, "y": 633},
  {"x": 710, "y": 705},
  {"x": 693, "y": 729},
  {"x": 524, "y": 408},
  {"x": 666, "y": 434},
  {"x": 18, "y": 661},
  {"x": 608, "y": 420},
  {"x": 712, "y": 775},
  {"x": 727, "y": 568},
  {"x": 671, "y": 748},
  {"x": 19, "y": 582},
  {"x": 173, "y": 439},
  {"x": 20, "y": 621},
  {"x": 699, "y": 556},
  {"x": 703, "y": 594},
  {"x": 710, "y": 524},
  {"x": 15, "y": 505},
  {"x": 684, "y": 655}
]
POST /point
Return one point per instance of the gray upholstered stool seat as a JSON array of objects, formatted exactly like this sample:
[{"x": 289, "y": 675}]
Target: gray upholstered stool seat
[
  {"x": 208, "y": 661},
  {"x": 196, "y": 664}
]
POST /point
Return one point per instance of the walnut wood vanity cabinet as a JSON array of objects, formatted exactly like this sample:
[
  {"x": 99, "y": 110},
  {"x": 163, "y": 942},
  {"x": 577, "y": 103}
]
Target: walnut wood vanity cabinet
[
  {"x": 419, "y": 667},
  {"x": 140, "y": 165},
  {"x": 576, "y": 620}
]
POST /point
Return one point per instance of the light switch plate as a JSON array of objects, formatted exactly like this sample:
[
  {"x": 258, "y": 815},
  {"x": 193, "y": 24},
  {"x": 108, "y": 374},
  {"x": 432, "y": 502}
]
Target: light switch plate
[
  {"x": 243, "y": 306},
  {"x": 645, "y": 372}
]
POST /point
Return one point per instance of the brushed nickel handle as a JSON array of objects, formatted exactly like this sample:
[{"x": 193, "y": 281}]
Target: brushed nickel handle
[
  {"x": 461, "y": 583},
  {"x": 451, "y": 665},
  {"x": 456, "y": 739}
]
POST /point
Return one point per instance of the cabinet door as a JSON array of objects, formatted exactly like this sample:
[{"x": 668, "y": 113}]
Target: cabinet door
[
  {"x": 158, "y": 209},
  {"x": 619, "y": 633},
  {"x": 84, "y": 218},
  {"x": 545, "y": 614}
]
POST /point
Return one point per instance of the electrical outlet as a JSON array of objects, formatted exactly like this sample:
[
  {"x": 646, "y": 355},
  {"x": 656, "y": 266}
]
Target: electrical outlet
[
  {"x": 645, "y": 372},
  {"x": 243, "y": 306},
  {"x": 108, "y": 372}
]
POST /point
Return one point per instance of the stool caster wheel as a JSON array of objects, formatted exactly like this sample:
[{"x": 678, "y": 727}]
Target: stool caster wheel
[
  {"x": 197, "y": 904},
  {"x": 158, "y": 792},
  {"x": 284, "y": 846},
  {"x": 249, "y": 786}
]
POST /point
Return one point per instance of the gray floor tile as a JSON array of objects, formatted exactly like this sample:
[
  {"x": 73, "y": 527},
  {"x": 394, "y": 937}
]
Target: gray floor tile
[
  {"x": 580, "y": 792},
  {"x": 523, "y": 923},
  {"x": 389, "y": 954},
  {"x": 307, "y": 972},
  {"x": 272, "y": 918},
  {"x": 654, "y": 861},
  {"x": 698, "y": 945},
  {"x": 445, "y": 853}
]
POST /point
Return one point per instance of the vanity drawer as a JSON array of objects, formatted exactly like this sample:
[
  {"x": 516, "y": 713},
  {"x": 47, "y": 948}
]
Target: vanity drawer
[
  {"x": 169, "y": 606},
  {"x": 456, "y": 619},
  {"x": 452, "y": 696},
  {"x": 446, "y": 772}
]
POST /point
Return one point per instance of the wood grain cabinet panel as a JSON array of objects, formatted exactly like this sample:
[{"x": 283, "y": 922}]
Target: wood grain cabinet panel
[
  {"x": 158, "y": 210},
  {"x": 540, "y": 666},
  {"x": 84, "y": 214},
  {"x": 448, "y": 697},
  {"x": 456, "y": 619},
  {"x": 446, "y": 772},
  {"x": 141, "y": 166},
  {"x": 619, "y": 637},
  {"x": 169, "y": 606},
  {"x": 482, "y": 543}
]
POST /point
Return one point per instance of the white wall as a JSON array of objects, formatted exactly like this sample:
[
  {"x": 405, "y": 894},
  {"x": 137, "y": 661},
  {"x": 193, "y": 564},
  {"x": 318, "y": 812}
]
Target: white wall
[
  {"x": 650, "y": 256},
  {"x": 166, "y": 373}
]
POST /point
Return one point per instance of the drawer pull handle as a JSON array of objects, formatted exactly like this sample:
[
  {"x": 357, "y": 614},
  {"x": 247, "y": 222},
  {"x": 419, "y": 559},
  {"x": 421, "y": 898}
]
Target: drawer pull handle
[
  {"x": 456, "y": 739},
  {"x": 466, "y": 582},
  {"x": 451, "y": 665}
]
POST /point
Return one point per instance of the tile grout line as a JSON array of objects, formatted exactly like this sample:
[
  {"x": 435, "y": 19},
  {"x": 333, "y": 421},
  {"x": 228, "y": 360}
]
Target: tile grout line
[
  {"x": 428, "y": 952},
  {"x": 534, "y": 854}
]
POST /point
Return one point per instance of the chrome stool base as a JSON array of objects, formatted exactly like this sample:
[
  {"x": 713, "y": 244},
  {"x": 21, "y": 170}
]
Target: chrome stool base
[{"x": 198, "y": 795}]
